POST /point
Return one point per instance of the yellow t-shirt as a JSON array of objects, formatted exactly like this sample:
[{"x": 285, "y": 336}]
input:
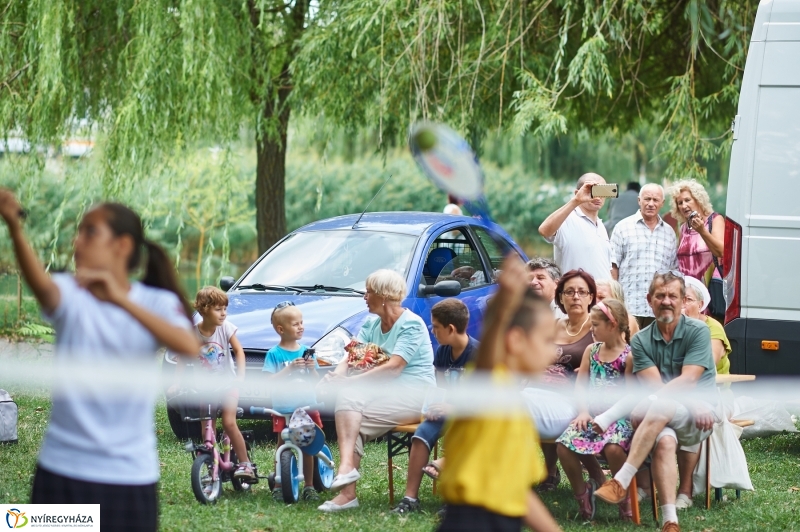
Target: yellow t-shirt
[
  {"x": 718, "y": 333},
  {"x": 492, "y": 462}
]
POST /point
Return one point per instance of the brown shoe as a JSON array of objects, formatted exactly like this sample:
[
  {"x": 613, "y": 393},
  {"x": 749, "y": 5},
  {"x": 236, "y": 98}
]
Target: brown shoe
[
  {"x": 611, "y": 492},
  {"x": 669, "y": 526}
]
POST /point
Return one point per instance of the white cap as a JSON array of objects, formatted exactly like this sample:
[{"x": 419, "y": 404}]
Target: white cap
[{"x": 700, "y": 289}]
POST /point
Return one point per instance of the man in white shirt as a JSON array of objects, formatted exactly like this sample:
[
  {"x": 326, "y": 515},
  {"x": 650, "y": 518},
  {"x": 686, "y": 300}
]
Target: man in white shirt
[
  {"x": 579, "y": 238},
  {"x": 543, "y": 275},
  {"x": 643, "y": 244}
]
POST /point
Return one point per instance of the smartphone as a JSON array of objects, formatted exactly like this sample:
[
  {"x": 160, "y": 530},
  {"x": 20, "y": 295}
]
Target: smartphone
[
  {"x": 309, "y": 353},
  {"x": 605, "y": 191}
]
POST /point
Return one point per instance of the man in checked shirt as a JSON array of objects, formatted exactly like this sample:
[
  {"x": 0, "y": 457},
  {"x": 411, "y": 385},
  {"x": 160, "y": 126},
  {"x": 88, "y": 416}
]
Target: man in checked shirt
[{"x": 642, "y": 244}]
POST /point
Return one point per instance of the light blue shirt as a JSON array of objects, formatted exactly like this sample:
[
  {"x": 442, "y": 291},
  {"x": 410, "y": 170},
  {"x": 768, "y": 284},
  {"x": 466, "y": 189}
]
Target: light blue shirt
[
  {"x": 277, "y": 357},
  {"x": 408, "y": 338}
]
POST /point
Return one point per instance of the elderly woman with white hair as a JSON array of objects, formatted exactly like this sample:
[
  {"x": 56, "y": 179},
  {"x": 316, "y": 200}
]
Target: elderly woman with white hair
[
  {"x": 701, "y": 239},
  {"x": 361, "y": 414},
  {"x": 694, "y": 302}
]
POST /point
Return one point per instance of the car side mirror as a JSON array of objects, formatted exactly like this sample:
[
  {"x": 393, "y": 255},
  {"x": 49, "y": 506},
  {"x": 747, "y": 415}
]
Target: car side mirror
[
  {"x": 226, "y": 283},
  {"x": 441, "y": 289}
]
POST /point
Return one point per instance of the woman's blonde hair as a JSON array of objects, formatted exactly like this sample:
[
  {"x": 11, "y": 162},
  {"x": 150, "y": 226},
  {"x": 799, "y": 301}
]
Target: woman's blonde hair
[
  {"x": 697, "y": 191},
  {"x": 388, "y": 284},
  {"x": 615, "y": 288}
]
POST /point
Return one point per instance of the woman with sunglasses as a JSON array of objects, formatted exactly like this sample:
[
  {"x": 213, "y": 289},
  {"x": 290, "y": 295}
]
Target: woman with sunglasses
[{"x": 362, "y": 415}]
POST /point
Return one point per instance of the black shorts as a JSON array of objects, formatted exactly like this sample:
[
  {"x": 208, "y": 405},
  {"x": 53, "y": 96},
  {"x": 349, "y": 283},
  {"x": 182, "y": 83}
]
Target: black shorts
[
  {"x": 122, "y": 508},
  {"x": 462, "y": 517}
]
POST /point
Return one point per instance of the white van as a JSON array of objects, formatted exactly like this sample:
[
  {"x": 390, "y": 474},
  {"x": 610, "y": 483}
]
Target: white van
[{"x": 761, "y": 264}]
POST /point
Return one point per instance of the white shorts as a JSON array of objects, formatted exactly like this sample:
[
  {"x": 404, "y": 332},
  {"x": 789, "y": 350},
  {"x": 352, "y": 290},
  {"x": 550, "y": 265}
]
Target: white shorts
[{"x": 683, "y": 430}]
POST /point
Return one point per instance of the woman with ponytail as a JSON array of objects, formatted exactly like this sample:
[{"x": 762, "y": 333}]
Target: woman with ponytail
[
  {"x": 605, "y": 367},
  {"x": 100, "y": 446}
]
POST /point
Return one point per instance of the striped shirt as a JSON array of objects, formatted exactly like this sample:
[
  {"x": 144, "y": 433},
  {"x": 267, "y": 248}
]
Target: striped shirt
[{"x": 639, "y": 253}]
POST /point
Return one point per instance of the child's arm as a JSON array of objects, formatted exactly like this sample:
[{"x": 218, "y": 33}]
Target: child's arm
[
  {"x": 238, "y": 353},
  {"x": 512, "y": 284},
  {"x": 538, "y": 517},
  {"x": 630, "y": 380},
  {"x": 581, "y": 386},
  {"x": 44, "y": 289}
]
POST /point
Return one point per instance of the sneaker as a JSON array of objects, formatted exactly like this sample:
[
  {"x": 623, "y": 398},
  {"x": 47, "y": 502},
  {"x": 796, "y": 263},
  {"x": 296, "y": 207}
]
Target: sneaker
[
  {"x": 550, "y": 483},
  {"x": 669, "y": 526},
  {"x": 643, "y": 495},
  {"x": 625, "y": 510},
  {"x": 586, "y": 502},
  {"x": 244, "y": 472},
  {"x": 406, "y": 506},
  {"x": 277, "y": 494},
  {"x": 611, "y": 492},
  {"x": 683, "y": 502},
  {"x": 309, "y": 494}
]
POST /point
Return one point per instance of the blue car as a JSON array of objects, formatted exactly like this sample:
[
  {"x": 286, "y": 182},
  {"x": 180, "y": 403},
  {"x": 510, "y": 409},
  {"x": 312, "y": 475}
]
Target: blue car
[{"x": 322, "y": 268}]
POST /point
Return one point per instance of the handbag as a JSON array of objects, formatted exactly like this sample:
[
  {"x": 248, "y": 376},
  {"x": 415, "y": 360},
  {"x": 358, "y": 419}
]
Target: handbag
[
  {"x": 363, "y": 357},
  {"x": 728, "y": 461},
  {"x": 717, "y": 305}
]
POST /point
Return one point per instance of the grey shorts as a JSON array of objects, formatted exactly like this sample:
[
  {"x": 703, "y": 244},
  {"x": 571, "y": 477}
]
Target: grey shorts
[
  {"x": 683, "y": 430},
  {"x": 381, "y": 413}
]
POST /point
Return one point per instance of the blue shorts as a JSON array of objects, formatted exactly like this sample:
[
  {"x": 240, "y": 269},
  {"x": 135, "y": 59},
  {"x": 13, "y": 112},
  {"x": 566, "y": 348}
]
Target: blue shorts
[{"x": 429, "y": 432}]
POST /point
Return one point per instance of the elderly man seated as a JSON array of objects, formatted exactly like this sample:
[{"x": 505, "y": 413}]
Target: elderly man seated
[{"x": 672, "y": 358}]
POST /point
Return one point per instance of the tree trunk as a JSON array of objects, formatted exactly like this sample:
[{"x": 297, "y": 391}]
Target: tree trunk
[{"x": 271, "y": 169}]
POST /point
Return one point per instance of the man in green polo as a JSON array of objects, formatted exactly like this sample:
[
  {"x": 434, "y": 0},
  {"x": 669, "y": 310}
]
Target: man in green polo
[{"x": 672, "y": 358}]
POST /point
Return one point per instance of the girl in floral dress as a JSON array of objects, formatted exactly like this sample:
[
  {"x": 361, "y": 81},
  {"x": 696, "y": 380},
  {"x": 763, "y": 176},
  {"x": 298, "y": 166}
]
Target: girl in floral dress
[{"x": 605, "y": 367}]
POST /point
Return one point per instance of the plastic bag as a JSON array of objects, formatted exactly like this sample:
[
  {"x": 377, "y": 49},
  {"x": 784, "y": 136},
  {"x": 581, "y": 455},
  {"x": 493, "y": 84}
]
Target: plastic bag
[
  {"x": 771, "y": 417},
  {"x": 728, "y": 462}
]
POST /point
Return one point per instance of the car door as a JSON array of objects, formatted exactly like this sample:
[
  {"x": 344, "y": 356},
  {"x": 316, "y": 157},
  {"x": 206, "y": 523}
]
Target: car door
[{"x": 454, "y": 254}]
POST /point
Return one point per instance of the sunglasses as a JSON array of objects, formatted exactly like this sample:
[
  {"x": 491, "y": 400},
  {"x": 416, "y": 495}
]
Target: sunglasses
[
  {"x": 279, "y": 306},
  {"x": 675, "y": 273}
]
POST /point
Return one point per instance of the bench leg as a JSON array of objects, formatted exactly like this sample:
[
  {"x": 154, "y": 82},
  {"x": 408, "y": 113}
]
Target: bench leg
[
  {"x": 391, "y": 482},
  {"x": 718, "y": 494},
  {"x": 633, "y": 493},
  {"x": 653, "y": 496},
  {"x": 708, "y": 474},
  {"x": 738, "y": 494},
  {"x": 435, "y": 457}
]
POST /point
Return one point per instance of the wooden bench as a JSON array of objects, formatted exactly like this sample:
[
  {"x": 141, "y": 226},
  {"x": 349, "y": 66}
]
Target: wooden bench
[
  {"x": 717, "y": 491},
  {"x": 730, "y": 378},
  {"x": 398, "y": 441}
]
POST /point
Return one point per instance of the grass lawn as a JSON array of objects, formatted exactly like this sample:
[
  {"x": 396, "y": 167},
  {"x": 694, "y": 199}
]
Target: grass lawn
[{"x": 774, "y": 466}]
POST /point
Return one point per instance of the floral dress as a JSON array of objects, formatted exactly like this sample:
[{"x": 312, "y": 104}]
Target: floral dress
[{"x": 602, "y": 376}]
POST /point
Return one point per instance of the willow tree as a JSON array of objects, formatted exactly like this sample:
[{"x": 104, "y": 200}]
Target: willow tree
[
  {"x": 147, "y": 77},
  {"x": 545, "y": 66}
]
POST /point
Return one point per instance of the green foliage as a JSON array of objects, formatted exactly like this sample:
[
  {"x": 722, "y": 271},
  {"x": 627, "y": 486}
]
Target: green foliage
[
  {"x": 36, "y": 331},
  {"x": 554, "y": 66}
]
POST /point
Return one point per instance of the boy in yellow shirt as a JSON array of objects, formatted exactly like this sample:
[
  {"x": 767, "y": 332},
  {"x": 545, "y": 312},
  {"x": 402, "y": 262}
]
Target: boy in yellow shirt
[{"x": 493, "y": 460}]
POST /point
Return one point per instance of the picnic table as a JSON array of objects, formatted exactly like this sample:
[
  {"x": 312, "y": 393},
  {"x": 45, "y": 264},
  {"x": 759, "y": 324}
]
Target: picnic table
[{"x": 724, "y": 379}]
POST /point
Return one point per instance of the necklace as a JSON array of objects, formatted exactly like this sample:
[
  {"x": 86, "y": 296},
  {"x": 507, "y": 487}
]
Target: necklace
[{"x": 566, "y": 327}]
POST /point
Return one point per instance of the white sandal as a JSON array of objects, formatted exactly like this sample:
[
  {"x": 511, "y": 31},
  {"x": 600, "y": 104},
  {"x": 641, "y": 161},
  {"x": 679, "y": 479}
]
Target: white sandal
[{"x": 340, "y": 481}]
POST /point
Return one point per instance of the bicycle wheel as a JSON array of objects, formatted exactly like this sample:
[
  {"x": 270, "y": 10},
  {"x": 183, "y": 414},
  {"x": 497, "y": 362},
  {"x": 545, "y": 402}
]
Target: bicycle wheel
[
  {"x": 323, "y": 475},
  {"x": 290, "y": 484},
  {"x": 238, "y": 484},
  {"x": 206, "y": 490}
]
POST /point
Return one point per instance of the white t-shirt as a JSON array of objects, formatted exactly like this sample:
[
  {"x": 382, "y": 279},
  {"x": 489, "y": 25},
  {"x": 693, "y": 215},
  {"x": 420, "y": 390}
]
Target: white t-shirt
[
  {"x": 94, "y": 436},
  {"x": 215, "y": 352},
  {"x": 582, "y": 243}
]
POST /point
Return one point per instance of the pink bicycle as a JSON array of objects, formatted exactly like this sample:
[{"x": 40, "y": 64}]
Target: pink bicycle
[{"x": 214, "y": 463}]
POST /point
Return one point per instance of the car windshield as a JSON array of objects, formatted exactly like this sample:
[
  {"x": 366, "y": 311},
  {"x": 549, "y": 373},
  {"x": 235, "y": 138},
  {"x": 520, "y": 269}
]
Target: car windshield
[{"x": 340, "y": 259}]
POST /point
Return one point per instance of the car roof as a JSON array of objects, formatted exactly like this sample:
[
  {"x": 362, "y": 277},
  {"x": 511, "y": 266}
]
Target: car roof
[{"x": 410, "y": 223}]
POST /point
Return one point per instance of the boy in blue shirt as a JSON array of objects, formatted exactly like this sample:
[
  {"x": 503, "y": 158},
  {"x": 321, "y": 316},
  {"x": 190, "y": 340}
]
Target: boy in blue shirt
[
  {"x": 283, "y": 361},
  {"x": 456, "y": 348}
]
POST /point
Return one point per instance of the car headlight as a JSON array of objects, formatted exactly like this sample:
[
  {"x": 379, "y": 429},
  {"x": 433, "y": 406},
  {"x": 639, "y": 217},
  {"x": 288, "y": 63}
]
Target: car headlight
[{"x": 330, "y": 348}]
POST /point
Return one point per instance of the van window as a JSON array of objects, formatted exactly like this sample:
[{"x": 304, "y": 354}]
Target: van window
[{"x": 776, "y": 165}]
